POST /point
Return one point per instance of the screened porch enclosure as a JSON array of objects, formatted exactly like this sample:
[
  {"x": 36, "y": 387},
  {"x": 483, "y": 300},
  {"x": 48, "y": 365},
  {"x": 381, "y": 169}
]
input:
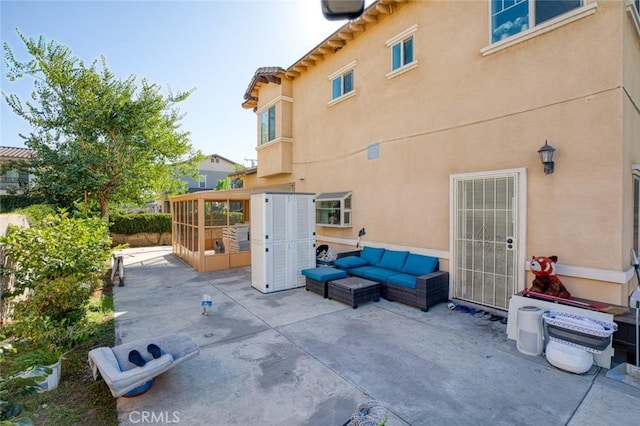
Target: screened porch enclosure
[{"x": 211, "y": 229}]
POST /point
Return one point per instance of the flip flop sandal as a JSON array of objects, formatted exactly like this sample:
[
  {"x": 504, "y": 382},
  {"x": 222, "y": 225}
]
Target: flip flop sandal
[
  {"x": 464, "y": 309},
  {"x": 472, "y": 311},
  {"x": 154, "y": 350},
  {"x": 479, "y": 314},
  {"x": 136, "y": 358},
  {"x": 495, "y": 318},
  {"x": 487, "y": 315}
]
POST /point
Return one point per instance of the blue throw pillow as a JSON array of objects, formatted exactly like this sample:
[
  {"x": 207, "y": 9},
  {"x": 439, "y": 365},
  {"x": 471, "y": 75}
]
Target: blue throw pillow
[
  {"x": 349, "y": 262},
  {"x": 418, "y": 264},
  {"x": 372, "y": 255},
  {"x": 393, "y": 259}
]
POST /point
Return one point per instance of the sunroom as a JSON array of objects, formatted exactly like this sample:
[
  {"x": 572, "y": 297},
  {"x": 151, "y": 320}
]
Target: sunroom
[{"x": 211, "y": 229}]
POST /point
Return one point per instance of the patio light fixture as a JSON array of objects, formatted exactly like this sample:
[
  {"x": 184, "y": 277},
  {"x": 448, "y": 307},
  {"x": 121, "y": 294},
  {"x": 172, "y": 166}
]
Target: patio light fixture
[{"x": 546, "y": 157}]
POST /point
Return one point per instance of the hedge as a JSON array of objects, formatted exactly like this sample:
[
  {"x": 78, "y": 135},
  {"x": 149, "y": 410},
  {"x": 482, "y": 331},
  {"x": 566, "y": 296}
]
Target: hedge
[
  {"x": 11, "y": 202},
  {"x": 130, "y": 224}
]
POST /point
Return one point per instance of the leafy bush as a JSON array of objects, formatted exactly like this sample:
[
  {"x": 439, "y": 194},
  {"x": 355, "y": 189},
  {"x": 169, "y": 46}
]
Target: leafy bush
[
  {"x": 57, "y": 264},
  {"x": 130, "y": 224},
  {"x": 37, "y": 213}
]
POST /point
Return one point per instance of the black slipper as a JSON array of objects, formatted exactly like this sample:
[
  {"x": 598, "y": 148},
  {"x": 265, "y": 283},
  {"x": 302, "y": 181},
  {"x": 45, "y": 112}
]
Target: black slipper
[
  {"x": 136, "y": 358},
  {"x": 154, "y": 350},
  {"x": 495, "y": 318}
]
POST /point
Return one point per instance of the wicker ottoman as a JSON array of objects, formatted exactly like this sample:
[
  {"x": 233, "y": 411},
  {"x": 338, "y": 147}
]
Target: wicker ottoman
[
  {"x": 317, "y": 278},
  {"x": 354, "y": 291}
]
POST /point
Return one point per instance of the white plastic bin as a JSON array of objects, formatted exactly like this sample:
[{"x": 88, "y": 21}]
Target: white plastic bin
[{"x": 530, "y": 338}]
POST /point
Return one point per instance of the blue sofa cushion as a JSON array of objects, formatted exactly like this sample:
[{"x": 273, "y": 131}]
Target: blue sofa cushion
[
  {"x": 403, "y": 280},
  {"x": 417, "y": 264},
  {"x": 324, "y": 274},
  {"x": 372, "y": 255},
  {"x": 378, "y": 274},
  {"x": 349, "y": 262},
  {"x": 359, "y": 271},
  {"x": 393, "y": 259}
]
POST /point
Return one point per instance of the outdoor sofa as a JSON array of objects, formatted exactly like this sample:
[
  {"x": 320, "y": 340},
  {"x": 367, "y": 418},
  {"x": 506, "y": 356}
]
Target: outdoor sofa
[{"x": 409, "y": 278}]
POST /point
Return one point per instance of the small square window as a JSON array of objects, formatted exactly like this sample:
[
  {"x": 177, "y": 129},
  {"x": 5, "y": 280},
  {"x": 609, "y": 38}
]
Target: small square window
[
  {"x": 402, "y": 53},
  {"x": 342, "y": 84}
]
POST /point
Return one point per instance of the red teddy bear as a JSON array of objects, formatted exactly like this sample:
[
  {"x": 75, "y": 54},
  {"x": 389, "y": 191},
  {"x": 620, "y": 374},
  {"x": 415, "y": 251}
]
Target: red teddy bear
[{"x": 546, "y": 281}]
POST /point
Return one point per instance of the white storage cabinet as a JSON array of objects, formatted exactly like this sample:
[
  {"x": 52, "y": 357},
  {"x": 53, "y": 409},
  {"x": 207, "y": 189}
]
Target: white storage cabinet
[{"x": 283, "y": 239}]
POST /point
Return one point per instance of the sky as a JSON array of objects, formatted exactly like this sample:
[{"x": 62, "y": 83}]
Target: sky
[{"x": 214, "y": 46}]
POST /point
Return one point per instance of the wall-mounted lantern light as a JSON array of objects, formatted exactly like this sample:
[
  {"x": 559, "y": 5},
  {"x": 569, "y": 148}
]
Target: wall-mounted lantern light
[{"x": 546, "y": 157}]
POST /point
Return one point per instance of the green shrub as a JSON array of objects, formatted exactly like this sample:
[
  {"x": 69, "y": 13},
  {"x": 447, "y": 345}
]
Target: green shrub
[
  {"x": 37, "y": 213},
  {"x": 130, "y": 224},
  {"x": 11, "y": 202},
  {"x": 59, "y": 263}
]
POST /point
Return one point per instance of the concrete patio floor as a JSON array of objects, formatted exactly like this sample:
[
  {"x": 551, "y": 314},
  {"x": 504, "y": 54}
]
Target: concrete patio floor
[{"x": 294, "y": 358}]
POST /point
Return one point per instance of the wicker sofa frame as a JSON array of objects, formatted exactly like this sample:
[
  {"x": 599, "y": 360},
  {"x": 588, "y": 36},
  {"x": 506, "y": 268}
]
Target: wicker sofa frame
[{"x": 430, "y": 289}]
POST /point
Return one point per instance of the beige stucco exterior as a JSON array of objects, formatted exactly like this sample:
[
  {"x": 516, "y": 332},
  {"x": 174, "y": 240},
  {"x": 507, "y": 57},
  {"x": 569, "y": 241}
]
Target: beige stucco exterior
[{"x": 467, "y": 107}]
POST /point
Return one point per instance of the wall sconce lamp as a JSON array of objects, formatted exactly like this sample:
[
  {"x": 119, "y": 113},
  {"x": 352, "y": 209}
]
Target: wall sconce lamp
[{"x": 546, "y": 157}]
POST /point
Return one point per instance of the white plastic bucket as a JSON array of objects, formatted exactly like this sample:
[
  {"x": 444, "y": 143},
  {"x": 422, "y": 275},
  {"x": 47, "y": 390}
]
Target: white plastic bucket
[{"x": 53, "y": 379}]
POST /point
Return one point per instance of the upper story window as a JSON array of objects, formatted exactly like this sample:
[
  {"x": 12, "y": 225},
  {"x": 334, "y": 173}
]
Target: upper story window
[
  {"x": 341, "y": 85},
  {"x": 402, "y": 53},
  {"x": 202, "y": 183},
  {"x": 268, "y": 125},
  {"x": 402, "y": 48},
  {"x": 509, "y": 17}
]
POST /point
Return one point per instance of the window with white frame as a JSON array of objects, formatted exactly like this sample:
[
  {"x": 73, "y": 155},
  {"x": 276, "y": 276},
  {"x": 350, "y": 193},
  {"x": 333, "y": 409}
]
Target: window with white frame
[
  {"x": 268, "y": 125},
  {"x": 333, "y": 209},
  {"x": 342, "y": 84},
  {"x": 402, "y": 48},
  {"x": 402, "y": 53},
  {"x": 202, "y": 183},
  {"x": 509, "y": 17}
]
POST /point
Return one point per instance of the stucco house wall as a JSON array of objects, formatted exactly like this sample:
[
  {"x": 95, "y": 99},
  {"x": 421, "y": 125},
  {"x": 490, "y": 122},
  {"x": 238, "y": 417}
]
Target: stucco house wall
[{"x": 470, "y": 107}]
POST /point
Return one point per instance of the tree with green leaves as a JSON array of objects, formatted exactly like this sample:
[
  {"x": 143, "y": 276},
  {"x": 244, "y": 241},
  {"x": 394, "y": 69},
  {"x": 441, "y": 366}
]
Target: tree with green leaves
[{"x": 98, "y": 138}]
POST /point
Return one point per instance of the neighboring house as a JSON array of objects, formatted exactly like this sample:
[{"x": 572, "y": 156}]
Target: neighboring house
[
  {"x": 211, "y": 170},
  {"x": 421, "y": 121},
  {"x": 13, "y": 180}
]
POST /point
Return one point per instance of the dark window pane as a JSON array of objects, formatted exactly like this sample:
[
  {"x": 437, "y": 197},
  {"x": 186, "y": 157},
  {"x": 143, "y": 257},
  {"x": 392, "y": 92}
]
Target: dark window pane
[
  {"x": 548, "y": 9},
  {"x": 408, "y": 51},
  {"x": 272, "y": 123},
  {"x": 348, "y": 82}
]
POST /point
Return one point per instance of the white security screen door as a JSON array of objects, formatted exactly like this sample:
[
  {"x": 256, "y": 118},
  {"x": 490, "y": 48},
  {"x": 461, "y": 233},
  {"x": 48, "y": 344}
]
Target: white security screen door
[{"x": 485, "y": 238}]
